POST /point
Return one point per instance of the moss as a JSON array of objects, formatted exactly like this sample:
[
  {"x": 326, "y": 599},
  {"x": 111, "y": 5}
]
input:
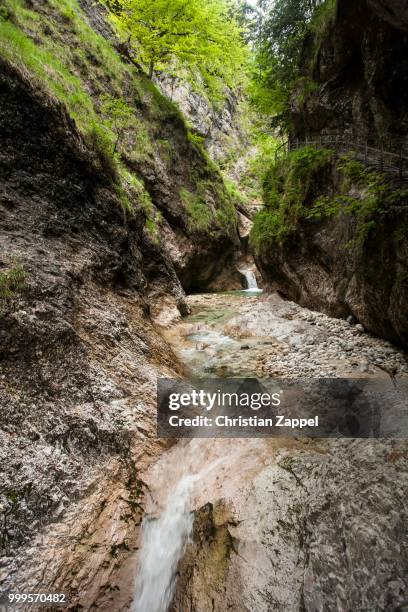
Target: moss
[
  {"x": 286, "y": 188},
  {"x": 12, "y": 281},
  {"x": 226, "y": 213},
  {"x": 235, "y": 194},
  {"x": 166, "y": 149},
  {"x": 13, "y": 496},
  {"x": 376, "y": 196},
  {"x": 195, "y": 138},
  {"x": 291, "y": 194},
  {"x": 5, "y": 13},
  {"x": 200, "y": 215},
  {"x": 304, "y": 87},
  {"x": 323, "y": 20}
]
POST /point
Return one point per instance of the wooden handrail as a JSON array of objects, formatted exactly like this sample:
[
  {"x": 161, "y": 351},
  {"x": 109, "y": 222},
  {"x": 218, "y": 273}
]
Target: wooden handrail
[{"x": 385, "y": 161}]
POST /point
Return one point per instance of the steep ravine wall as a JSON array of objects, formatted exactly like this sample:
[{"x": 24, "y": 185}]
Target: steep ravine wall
[
  {"x": 317, "y": 527},
  {"x": 327, "y": 263},
  {"x": 79, "y": 353},
  {"x": 357, "y": 64}
]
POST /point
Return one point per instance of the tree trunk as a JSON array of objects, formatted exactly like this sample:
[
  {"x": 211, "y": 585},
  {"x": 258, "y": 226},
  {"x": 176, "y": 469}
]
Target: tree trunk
[{"x": 151, "y": 69}]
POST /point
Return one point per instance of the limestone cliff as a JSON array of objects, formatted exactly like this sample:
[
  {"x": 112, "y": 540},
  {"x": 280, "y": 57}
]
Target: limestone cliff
[
  {"x": 355, "y": 64},
  {"x": 344, "y": 247},
  {"x": 95, "y": 243}
]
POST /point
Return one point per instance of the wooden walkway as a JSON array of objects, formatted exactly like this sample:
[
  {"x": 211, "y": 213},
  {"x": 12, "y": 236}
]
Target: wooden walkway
[{"x": 395, "y": 164}]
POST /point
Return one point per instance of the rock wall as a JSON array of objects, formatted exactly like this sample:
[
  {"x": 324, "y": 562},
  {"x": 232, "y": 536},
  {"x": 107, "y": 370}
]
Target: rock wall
[
  {"x": 219, "y": 124},
  {"x": 309, "y": 530},
  {"x": 358, "y": 69},
  {"x": 325, "y": 265},
  {"x": 357, "y": 64},
  {"x": 79, "y": 353}
]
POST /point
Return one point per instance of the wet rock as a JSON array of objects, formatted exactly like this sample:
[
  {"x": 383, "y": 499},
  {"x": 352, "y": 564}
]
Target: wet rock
[
  {"x": 324, "y": 265},
  {"x": 300, "y": 533}
]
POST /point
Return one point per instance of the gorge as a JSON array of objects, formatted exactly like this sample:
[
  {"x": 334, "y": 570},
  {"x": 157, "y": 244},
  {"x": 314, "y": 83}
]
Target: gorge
[{"x": 127, "y": 255}]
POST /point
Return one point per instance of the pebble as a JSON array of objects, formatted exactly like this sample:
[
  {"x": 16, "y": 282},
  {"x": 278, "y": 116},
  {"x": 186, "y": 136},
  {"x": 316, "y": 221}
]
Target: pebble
[{"x": 332, "y": 347}]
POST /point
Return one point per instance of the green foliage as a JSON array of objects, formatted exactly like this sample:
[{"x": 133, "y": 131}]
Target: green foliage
[
  {"x": 100, "y": 141},
  {"x": 195, "y": 139},
  {"x": 264, "y": 158},
  {"x": 304, "y": 87},
  {"x": 235, "y": 194},
  {"x": 287, "y": 186},
  {"x": 200, "y": 215},
  {"x": 226, "y": 213},
  {"x": 277, "y": 70},
  {"x": 203, "y": 35},
  {"x": 117, "y": 117},
  {"x": 12, "y": 281},
  {"x": 116, "y": 108},
  {"x": 293, "y": 192},
  {"x": 71, "y": 62},
  {"x": 323, "y": 17},
  {"x": 376, "y": 197},
  {"x": 16, "y": 45},
  {"x": 5, "y": 13}
]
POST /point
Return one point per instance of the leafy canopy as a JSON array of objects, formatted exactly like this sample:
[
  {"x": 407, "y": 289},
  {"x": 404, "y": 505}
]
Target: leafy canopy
[
  {"x": 277, "y": 69},
  {"x": 203, "y": 36}
]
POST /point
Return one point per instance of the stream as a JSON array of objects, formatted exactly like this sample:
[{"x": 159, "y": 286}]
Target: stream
[{"x": 242, "y": 333}]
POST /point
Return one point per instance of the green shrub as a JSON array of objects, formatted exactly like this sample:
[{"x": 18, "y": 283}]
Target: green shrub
[
  {"x": 376, "y": 196},
  {"x": 287, "y": 187},
  {"x": 12, "y": 281}
]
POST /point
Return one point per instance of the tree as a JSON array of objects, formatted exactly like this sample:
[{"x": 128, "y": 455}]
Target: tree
[
  {"x": 117, "y": 117},
  {"x": 200, "y": 35},
  {"x": 278, "y": 61},
  {"x": 252, "y": 15}
]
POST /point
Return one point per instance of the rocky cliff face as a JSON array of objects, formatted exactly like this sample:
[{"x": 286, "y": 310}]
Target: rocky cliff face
[
  {"x": 326, "y": 262},
  {"x": 77, "y": 345},
  {"x": 92, "y": 249},
  {"x": 357, "y": 65},
  {"x": 220, "y": 125},
  {"x": 307, "y": 529}
]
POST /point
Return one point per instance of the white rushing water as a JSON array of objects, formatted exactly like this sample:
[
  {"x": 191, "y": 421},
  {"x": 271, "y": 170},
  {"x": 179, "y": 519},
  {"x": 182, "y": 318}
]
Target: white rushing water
[
  {"x": 164, "y": 539},
  {"x": 163, "y": 544},
  {"x": 250, "y": 277}
]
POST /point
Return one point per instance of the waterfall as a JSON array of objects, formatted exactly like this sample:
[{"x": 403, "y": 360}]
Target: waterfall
[
  {"x": 250, "y": 278},
  {"x": 163, "y": 544},
  {"x": 164, "y": 539}
]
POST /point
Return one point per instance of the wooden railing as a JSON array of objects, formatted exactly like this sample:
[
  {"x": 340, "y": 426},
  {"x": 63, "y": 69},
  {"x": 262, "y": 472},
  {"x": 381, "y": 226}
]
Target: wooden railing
[{"x": 393, "y": 163}]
